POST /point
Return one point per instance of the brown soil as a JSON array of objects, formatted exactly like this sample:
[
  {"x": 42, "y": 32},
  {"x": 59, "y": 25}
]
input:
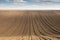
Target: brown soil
[{"x": 29, "y": 25}]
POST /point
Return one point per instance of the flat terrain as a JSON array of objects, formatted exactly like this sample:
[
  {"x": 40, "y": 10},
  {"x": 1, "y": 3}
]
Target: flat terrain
[{"x": 29, "y": 25}]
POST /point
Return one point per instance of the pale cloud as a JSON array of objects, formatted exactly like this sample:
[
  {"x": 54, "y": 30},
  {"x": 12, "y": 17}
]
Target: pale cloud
[
  {"x": 15, "y": 0},
  {"x": 32, "y": 0},
  {"x": 45, "y": 0},
  {"x": 29, "y": 7}
]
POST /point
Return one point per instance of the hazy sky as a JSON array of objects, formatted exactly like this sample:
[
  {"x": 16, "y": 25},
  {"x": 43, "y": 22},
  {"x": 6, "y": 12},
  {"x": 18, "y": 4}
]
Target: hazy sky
[
  {"x": 28, "y": 0},
  {"x": 5, "y": 4}
]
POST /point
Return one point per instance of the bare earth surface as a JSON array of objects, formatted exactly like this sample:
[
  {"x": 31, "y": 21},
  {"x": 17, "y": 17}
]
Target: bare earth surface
[{"x": 29, "y": 25}]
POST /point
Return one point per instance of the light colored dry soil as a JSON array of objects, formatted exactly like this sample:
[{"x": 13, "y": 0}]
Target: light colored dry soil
[{"x": 29, "y": 25}]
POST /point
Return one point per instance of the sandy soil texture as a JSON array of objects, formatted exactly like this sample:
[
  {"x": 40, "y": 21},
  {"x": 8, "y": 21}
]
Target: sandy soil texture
[{"x": 29, "y": 25}]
